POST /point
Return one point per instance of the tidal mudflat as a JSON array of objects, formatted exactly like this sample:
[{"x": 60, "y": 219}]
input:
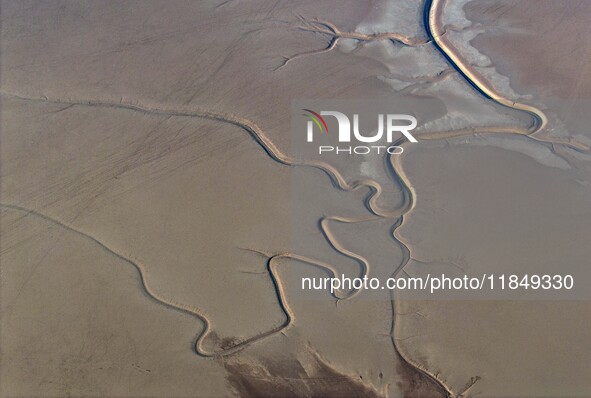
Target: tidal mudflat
[{"x": 156, "y": 218}]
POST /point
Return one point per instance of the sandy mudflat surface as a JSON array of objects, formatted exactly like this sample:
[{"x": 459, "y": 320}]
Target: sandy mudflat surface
[{"x": 156, "y": 219}]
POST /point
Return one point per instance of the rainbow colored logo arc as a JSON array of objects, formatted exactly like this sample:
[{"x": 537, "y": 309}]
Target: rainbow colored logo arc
[{"x": 316, "y": 118}]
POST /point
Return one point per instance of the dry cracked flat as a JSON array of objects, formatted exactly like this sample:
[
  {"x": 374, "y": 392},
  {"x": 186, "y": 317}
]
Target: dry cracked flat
[{"x": 156, "y": 223}]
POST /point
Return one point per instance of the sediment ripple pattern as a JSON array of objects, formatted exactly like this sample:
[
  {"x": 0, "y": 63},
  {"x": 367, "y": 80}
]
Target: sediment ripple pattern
[
  {"x": 436, "y": 36},
  {"x": 273, "y": 263}
]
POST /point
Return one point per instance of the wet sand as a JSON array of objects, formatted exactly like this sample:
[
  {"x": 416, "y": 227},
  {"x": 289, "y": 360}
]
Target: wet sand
[
  {"x": 535, "y": 220},
  {"x": 133, "y": 189}
]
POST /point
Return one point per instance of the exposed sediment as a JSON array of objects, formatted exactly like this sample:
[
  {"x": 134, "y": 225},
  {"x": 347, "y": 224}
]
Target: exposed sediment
[{"x": 436, "y": 36}]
